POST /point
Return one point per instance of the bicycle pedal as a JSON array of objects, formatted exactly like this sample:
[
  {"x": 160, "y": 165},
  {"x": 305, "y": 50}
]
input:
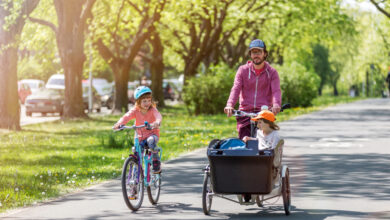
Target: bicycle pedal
[{"x": 132, "y": 197}]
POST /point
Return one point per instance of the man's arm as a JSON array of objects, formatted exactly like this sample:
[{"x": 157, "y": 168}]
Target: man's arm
[
  {"x": 234, "y": 93},
  {"x": 276, "y": 93}
]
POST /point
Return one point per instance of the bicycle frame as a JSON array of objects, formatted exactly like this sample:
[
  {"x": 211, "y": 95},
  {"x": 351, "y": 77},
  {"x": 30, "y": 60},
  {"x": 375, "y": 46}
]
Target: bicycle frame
[{"x": 144, "y": 158}]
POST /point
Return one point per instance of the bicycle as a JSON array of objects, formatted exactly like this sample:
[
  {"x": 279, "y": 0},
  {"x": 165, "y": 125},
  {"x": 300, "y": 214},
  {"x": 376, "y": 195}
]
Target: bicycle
[{"x": 136, "y": 173}]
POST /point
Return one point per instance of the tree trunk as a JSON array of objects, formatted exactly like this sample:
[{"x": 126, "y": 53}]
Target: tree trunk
[
  {"x": 157, "y": 69},
  {"x": 72, "y": 15},
  {"x": 121, "y": 100},
  {"x": 9, "y": 102}
]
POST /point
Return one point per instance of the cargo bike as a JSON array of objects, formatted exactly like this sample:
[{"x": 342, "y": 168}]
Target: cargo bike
[{"x": 241, "y": 169}]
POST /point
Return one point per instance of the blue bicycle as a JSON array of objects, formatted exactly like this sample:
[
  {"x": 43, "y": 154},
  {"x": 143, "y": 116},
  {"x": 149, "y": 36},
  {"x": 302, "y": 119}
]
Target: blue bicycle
[{"x": 137, "y": 174}]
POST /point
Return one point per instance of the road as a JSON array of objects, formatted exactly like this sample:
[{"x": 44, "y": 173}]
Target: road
[{"x": 339, "y": 160}]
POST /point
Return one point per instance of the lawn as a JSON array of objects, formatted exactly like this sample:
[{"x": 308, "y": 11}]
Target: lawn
[{"x": 50, "y": 159}]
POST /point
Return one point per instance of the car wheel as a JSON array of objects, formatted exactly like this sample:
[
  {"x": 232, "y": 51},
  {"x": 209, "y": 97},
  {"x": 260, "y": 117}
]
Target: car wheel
[
  {"x": 43, "y": 113},
  {"x": 29, "y": 114}
]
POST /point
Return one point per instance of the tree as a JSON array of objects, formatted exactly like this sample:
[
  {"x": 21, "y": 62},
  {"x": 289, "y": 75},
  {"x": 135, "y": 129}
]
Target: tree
[
  {"x": 12, "y": 20},
  {"x": 321, "y": 64},
  {"x": 119, "y": 38},
  {"x": 72, "y": 18},
  {"x": 382, "y": 9},
  {"x": 196, "y": 27}
]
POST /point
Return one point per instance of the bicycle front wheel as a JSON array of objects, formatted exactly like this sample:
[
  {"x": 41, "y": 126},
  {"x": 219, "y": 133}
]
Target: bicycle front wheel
[
  {"x": 132, "y": 186},
  {"x": 154, "y": 187}
]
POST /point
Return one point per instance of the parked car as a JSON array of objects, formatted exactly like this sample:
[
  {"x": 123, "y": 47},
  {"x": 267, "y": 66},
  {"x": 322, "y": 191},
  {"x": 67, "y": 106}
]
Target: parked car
[
  {"x": 23, "y": 91},
  {"x": 34, "y": 84},
  {"x": 96, "y": 99},
  {"x": 56, "y": 81},
  {"x": 45, "y": 101}
]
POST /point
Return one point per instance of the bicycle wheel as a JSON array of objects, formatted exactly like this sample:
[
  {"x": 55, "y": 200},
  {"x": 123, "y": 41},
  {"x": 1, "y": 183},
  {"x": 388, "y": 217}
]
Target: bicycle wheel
[
  {"x": 132, "y": 188},
  {"x": 206, "y": 197},
  {"x": 154, "y": 187},
  {"x": 286, "y": 192}
]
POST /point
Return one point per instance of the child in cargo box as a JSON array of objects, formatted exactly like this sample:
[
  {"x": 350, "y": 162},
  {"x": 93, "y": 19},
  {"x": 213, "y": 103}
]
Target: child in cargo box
[{"x": 267, "y": 134}]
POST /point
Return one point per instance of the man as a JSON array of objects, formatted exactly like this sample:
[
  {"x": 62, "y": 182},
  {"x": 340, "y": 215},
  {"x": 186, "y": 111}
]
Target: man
[
  {"x": 256, "y": 84},
  {"x": 388, "y": 81}
]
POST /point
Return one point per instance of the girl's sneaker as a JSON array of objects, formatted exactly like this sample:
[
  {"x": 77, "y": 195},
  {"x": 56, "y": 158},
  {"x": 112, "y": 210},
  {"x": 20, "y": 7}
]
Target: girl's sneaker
[
  {"x": 133, "y": 193},
  {"x": 156, "y": 166}
]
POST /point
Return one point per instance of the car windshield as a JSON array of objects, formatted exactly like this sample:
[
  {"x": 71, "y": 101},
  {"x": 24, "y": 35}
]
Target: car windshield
[
  {"x": 50, "y": 92},
  {"x": 33, "y": 85},
  {"x": 56, "y": 82}
]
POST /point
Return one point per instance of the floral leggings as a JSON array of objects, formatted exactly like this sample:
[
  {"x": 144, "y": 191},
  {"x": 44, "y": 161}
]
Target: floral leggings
[{"x": 151, "y": 142}]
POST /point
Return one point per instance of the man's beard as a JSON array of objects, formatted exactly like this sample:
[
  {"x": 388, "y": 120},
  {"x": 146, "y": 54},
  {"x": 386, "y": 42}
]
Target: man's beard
[{"x": 259, "y": 62}]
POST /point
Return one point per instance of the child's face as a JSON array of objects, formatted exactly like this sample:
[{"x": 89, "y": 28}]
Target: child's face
[
  {"x": 261, "y": 125},
  {"x": 145, "y": 103}
]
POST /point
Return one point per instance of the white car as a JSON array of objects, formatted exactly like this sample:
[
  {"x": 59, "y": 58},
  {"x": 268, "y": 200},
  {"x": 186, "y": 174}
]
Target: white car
[
  {"x": 34, "y": 84},
  {"x": 56, "y": 81}
]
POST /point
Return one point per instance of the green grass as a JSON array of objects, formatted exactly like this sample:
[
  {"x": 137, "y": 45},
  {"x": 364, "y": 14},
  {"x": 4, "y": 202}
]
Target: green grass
[{"x": 50, "y": 159}]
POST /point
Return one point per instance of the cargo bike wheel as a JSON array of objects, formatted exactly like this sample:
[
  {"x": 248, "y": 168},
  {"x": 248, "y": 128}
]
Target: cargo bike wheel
[
  {"x": 206, "y": 197},
  {"x": 286, "y": 192},
  {"x": 132, "y": 184}
]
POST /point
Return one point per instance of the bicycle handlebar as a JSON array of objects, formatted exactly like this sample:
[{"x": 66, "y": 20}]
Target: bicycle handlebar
[
  {"x": 240, "y": 113},
  {"x": 123, "y": 127}
]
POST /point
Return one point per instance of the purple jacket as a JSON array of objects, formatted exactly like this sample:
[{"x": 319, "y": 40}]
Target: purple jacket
[{"x": 255, "y": 91}]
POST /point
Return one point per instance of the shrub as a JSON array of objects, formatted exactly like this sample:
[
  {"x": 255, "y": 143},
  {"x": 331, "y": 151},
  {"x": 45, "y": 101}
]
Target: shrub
[
  {"x": 299, "y": 86},
  {"x": 208, "y": 93}
]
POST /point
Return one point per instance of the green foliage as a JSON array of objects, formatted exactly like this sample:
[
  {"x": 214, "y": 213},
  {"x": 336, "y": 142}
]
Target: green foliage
[
  {"x": 208, "y": 93},
  {"x": 299, "y": 86},
  {"x": 117, "y": 140}
]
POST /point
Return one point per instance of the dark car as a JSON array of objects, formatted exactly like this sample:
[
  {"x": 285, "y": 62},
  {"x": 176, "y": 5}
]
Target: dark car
[
  {"x": 96, "y": 99},
  {"x": 45, "y": 101}
]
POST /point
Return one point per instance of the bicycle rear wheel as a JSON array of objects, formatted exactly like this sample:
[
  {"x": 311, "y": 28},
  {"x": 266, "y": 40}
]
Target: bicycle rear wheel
[
  {"x": 154, "y": 187},
  {"x": 286, "y": 192},
  {"x": 206, "y": 198},
  {"x": 132, "y": 187}
]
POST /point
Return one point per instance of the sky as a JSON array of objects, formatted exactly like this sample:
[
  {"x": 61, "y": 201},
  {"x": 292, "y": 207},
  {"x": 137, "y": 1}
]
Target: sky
[{"x": 364, "y": 6}]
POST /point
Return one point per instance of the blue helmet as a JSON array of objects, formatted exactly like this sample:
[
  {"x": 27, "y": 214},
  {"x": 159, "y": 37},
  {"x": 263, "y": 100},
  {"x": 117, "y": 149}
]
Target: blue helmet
[
  {"x": 258, "y": 44},
  {"x": 139, "y": 91}
]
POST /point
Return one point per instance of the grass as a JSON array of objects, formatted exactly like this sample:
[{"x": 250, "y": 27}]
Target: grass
[{"x": 50, "y": 159}]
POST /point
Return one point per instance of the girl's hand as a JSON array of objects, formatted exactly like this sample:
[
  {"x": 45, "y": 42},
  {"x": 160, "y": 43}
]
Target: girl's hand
[
  {"x": 155, "y": 125},
  {"x": 116, "y": 126}
]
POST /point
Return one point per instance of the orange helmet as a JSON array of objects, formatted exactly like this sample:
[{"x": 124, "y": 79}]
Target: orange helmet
[{"x": 266, "y": 114}]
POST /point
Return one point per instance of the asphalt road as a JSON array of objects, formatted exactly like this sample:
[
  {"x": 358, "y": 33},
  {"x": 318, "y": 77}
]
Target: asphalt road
[{"x": 339, "y": 164}]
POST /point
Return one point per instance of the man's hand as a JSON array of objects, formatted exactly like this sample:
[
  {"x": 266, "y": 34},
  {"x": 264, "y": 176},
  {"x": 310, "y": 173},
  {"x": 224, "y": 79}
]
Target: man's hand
[
  {"x": 228, "y": 110},
  {"x": 275, "y": 109}
]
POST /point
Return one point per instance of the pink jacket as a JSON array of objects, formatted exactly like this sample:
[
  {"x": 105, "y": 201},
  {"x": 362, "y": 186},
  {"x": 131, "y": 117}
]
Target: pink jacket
[
  {"x": 255, "y": 91},
  {"x": 152, "y": 115}
]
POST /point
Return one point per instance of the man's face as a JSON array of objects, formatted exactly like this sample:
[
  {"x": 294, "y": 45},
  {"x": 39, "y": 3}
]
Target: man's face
[{"x": 258, "y": 56}]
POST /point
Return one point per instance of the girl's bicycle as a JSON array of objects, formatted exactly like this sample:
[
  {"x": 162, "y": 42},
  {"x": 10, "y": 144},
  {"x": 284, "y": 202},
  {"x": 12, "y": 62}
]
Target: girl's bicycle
[{"x": 137, "y": 173}]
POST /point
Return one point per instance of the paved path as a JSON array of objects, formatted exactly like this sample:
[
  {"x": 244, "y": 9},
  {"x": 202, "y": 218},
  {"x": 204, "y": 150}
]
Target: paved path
[{"x": 340, "y": 166}]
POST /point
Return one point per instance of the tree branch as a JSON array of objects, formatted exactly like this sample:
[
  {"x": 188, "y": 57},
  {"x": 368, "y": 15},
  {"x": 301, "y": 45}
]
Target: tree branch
[
  {"x": 43, "y": 22},
  {"x": 380, "y": 9}
]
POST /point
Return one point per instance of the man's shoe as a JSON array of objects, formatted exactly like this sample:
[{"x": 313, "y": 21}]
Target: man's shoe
[{"x": 133, "y": 193}]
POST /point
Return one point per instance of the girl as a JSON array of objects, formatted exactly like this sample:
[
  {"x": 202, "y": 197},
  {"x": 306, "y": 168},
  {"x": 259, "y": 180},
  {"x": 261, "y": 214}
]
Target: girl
[
  {"x": 267, "y": 134},
  {"x": 145, "y": 110}
]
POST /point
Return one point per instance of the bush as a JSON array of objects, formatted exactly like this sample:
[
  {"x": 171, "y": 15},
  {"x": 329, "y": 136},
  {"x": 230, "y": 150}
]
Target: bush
[
  {"x": 299, "y": 86},
  {"x": 208, "y": 93}
]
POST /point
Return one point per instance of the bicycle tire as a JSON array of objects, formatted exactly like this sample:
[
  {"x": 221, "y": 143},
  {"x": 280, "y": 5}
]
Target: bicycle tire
[
  {"x": 154, "y": 187},
  {"x": 206, "y": 199},
  {"x": 286, "y": 193},
  {"x": 128, "y": 182}
]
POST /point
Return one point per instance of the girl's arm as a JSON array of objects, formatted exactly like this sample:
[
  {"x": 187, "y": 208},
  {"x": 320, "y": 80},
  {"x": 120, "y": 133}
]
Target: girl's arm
[
  {"x": 158, "y": 118},
  {"x": 126, "y": 118},
  {"x": 246, "y": 138}
]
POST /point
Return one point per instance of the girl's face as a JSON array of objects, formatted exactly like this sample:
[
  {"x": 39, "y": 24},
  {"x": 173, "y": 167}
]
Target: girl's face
[
  {"x": 145, "y": 103},
  {"x": 262, "y": 125}
]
